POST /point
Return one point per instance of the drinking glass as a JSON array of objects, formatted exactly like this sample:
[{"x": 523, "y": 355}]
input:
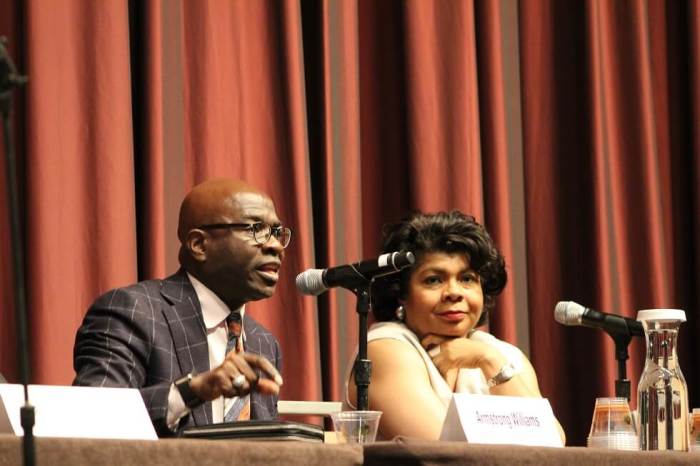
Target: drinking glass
[
  {"x": 612, "y": 425},
  {"x": 356, "y": 426}
]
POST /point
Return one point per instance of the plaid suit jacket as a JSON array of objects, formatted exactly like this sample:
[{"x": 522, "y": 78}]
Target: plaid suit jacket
[{"x": 151, "y": 333}]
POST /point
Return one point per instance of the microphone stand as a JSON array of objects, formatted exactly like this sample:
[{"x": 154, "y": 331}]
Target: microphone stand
[
  {"x": 363, "y": 366},
  {"x": 361, "y": 287},
  {"x": 9, "y": 78},
  {"x": 622, "y": 335},
  {"x": 622, "y": 384}
]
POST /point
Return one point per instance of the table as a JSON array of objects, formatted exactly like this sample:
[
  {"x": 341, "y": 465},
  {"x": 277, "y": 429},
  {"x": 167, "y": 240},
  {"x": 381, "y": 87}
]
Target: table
[
  {"x": 176, "y": 452},
  {"x": 414, "y": 452}
]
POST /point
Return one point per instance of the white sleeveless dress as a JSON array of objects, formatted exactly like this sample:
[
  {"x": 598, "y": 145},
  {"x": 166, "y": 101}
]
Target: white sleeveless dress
[{"x": 468, "y": 381}]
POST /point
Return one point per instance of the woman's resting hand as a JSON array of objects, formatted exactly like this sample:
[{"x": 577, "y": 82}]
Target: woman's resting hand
[{"x": 462, "y": 353}]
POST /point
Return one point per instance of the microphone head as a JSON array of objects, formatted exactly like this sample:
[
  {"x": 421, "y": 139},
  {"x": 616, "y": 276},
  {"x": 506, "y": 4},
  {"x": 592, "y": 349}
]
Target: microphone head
[
  {"x": 402, "y": 259},
  {"x": 568, "y": 313},
  {"x": 311, "y": 282}
]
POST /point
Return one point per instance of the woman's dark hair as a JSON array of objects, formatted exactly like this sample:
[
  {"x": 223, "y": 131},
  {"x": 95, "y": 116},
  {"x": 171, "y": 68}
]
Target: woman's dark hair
[{"x": 448, "y": 232}]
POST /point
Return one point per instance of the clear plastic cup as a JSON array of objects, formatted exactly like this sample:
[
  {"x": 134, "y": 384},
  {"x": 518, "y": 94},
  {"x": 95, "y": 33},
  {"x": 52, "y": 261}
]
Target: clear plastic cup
[
  {"x": 612, "y": 425},
  {"x": 695, "y": 430},
  {"x": 356, "y": 426}
]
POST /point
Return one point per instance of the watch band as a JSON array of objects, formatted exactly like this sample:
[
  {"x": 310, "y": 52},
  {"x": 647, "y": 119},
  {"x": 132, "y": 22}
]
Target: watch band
[
  {"x": 183, "y": 386},
  {"x": 506, "y": 373}
]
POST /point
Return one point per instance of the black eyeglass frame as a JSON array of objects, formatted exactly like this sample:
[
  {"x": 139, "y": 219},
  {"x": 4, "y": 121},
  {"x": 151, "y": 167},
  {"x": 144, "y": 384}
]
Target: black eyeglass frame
[{"x": 256, "y": 228}]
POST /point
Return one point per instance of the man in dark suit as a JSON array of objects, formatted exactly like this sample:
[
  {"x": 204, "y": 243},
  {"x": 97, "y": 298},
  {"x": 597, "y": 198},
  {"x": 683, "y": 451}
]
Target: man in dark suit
[{"x": 173, "y": 339}]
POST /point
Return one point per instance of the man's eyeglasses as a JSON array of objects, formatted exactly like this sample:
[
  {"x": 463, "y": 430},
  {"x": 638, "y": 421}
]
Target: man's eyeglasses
[{"x": 261, "y": 231}]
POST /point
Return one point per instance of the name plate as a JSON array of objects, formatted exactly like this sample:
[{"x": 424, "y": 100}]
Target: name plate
[
  {"x": 501, "y": 420},
  {"x": 81, "y": 412}
]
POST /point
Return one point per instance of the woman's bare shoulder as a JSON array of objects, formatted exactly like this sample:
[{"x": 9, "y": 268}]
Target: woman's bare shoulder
[{"x": 396, "y": 354}]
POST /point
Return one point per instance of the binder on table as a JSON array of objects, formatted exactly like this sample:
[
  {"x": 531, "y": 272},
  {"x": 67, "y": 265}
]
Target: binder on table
[{"x": 257, "y": 430}]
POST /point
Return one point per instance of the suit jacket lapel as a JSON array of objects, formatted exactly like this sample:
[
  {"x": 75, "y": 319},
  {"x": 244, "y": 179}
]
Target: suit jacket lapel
[
  {"x": 252, "y": 343},
  {"x": 184, "y": 317},
  {"x": 259, "y": 403}
]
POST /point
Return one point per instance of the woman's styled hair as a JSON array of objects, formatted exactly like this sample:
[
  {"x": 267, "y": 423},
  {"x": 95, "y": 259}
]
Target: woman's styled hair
[{"x": 448, "y": 232}]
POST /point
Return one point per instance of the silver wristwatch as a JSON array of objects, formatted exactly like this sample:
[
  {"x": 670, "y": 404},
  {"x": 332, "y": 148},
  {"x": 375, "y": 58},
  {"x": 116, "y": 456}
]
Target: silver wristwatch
[{"x": 504, "y": 375}]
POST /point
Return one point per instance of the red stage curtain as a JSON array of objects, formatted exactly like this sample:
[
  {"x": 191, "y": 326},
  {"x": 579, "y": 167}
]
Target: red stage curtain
[{"x": 569, "y": 128}]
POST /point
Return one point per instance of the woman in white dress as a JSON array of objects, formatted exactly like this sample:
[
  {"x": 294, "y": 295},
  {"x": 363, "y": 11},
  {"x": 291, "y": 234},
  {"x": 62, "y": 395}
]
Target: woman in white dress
[{"x": 425, "y": 346}]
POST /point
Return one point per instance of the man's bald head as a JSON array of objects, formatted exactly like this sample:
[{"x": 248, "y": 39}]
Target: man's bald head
[
  {"x": 210, "y": 202},
  {"x": 218, "y": 244}
]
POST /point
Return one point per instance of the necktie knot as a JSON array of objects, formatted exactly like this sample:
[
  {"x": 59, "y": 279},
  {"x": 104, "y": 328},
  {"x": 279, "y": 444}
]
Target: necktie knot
[{"x": 233, "y": 322}]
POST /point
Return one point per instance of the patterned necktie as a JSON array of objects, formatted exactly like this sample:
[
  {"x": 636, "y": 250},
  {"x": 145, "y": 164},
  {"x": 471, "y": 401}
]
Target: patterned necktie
[{"x": 240, "y": 408}]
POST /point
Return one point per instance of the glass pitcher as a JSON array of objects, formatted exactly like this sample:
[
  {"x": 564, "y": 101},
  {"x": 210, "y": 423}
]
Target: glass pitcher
[{"x": 662, "y": 395}]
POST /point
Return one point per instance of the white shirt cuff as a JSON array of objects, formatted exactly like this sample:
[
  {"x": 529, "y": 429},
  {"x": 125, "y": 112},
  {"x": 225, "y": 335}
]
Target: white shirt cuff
[{"x": 176, "y": 408}]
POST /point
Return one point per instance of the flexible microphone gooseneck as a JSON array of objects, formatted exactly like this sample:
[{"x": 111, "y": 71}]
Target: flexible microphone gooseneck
[
  {"x": 574, "y": 314},
  {"x": 351, "y": 276}
]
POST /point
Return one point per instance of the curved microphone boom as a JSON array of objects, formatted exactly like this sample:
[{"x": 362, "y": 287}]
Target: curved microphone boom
[
  {"x": 571, "y": 313},
  {"x": 351, "y": 276}
]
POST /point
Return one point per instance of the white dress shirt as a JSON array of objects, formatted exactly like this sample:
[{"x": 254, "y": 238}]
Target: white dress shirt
[{"x": 214, "y": 312}]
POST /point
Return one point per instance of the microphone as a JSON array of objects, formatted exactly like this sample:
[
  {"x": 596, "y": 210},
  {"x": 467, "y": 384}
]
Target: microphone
[
  {"x": 571, "y": 313},
  {"x": 350, "y": 276}
]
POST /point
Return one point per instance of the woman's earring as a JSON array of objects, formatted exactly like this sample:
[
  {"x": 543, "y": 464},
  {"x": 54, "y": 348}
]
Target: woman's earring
[{"x": 400, "y": 313}]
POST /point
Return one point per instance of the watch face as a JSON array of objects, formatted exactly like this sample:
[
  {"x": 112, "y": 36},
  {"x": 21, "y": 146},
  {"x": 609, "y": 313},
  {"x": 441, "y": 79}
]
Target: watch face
[
  {"x": 507, "y": 373},
  {"x": 504, "y": 375}
]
